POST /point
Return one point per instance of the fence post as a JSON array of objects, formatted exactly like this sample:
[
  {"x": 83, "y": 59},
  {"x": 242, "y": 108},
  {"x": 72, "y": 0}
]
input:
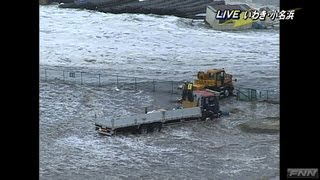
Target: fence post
[
  {"x": 45, "y": 74},
  {"x": 99, "y": 80},
  {"x": 135, "y": 84},
  {"x": 238, "y": 94},
  {"x": 117, "y": 81},
  {"x": 63, "y": 75},
  {"x": 171, "y": 87},
  {"x": 260, "y": 94},
  {"x": 81, "y": 78},
  {"x": 154, "y": 86}
]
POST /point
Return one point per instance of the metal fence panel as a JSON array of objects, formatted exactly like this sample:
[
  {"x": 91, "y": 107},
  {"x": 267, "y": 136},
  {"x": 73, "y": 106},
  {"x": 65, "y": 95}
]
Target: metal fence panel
[
  {"x": 249, "y": 94},
  {"x": 134, "y": 83}
]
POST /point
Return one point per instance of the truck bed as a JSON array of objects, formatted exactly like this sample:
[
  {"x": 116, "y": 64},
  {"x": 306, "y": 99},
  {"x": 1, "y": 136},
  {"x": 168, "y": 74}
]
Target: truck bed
[{"x": 154, "y": 117}]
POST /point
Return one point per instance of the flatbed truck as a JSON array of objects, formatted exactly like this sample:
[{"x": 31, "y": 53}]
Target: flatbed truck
[{"x": 206, "y": 106}]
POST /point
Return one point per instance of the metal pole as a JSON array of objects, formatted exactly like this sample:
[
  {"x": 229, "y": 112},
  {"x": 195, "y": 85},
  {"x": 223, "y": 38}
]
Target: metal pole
[
  {"x": 267, "y": 95},
  {"x": 117, "y": 80},
  {"x": 135, "y": 83},
  {"x": 154, "y": 86},
  {"x": 238, "y": 94},
  {"x": 81, "y": 78},
  {"x": 45, "y": 74},
  {"x": 99, "y": 80},
  {"x": 63, "y": 75},
  {"x": 171, "y": 87}
]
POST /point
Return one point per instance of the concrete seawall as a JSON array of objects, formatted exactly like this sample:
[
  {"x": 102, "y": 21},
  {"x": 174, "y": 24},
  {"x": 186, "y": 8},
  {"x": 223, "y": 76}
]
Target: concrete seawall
[
  {"x": 179, "y": 8},
  {"x": 46, "y": 2}
]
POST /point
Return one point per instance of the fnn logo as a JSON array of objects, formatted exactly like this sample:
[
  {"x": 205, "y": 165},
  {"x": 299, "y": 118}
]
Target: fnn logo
[{"x": 302, "y": 173}]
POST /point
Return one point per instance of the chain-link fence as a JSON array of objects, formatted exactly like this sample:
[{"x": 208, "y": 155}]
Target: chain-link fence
[
  {"x": 135, "y": 83},
  {"x": 116, "y": 81},
  {"x": 249, "y": 94}
]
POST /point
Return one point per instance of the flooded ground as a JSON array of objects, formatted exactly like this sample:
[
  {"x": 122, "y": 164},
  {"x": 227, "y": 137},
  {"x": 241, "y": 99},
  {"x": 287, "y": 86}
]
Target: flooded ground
[
  {"x": 151, "y": 47},
  {"x": 70, "y": 148}
]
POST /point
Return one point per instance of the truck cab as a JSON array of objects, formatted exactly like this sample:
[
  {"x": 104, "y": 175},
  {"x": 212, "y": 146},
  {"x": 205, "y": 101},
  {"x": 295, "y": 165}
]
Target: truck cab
[{"x": 207, "y": 100}]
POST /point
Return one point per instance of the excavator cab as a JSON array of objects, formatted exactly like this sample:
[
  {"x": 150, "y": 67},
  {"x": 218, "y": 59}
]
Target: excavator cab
[
  {"x": 187, "y": 92},
  {"x": 214, "y": 79}
]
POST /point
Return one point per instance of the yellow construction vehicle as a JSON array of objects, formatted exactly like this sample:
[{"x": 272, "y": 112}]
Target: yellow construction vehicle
[
  {"x": 215, "y": 82},
  {"x": 214, "y": 79}
]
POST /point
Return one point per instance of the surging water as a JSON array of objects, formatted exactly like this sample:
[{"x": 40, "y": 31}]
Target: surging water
[{"x": 160, "y": 47}]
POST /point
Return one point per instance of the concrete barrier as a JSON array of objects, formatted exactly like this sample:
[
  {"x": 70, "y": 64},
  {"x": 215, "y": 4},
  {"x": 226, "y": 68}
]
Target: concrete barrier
[{"x": 180, "y": 8}]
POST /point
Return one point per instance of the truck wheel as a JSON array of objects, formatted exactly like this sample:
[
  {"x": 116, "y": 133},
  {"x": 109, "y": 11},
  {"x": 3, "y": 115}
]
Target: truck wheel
[
  {"x": 143, "y": 130},
  {"x": 157, "y": 127},
  {"x": 226, "y": 93},
  {"x": 203, "y": 118}
]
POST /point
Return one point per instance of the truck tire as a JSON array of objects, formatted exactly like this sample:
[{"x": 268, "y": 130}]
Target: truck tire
[
  {"x": 231, "y": 91},
  {"x": 226, "y": 93},
  {"x": 143, "y": 129},
  {"x": 157, "y": 127}
]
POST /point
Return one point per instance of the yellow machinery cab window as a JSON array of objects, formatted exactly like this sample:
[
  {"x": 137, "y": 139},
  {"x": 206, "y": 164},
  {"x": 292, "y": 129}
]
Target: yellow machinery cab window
[{"x": 211, "y": 76}]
